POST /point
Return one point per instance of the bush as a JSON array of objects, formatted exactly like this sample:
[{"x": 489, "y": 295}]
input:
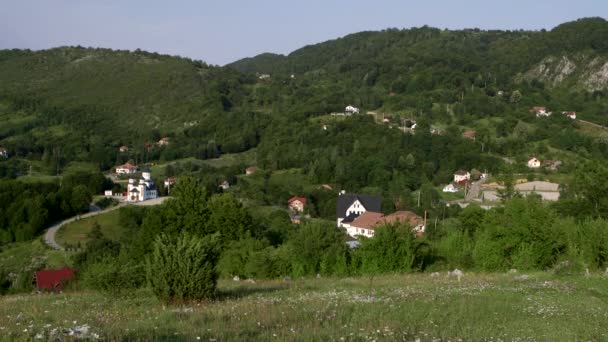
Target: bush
[
  {"x": 455, "y": 249},
  {"x": 113, "y": 276},
  {"x": 183, "y": 268}
]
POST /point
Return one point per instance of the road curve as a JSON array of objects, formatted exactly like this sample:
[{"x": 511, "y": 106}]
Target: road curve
[{"x": 49, "y": 234}]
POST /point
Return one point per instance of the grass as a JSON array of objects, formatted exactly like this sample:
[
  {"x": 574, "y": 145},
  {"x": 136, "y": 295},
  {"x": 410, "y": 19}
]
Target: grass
[
  {"x": 77, "y": 231},
  {"x": 403, "y": 307},
  {"x": 31, "y": 255}
]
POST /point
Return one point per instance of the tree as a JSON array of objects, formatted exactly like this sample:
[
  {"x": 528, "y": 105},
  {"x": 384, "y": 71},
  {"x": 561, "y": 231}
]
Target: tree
[{"x": 184, "y": 267}]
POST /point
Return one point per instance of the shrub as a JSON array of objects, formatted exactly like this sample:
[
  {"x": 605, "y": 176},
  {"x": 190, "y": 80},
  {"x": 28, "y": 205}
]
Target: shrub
[
  {"x": 113, "y": 276},
  {"x": 456, "y": 249},
  {"x": 183, "y": 268}
]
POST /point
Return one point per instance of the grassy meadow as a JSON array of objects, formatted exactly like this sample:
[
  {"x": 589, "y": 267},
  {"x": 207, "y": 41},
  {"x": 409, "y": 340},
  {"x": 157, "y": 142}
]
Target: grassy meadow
[
  {"x": 76, "y": 232},
  {"x": 501, "y": 307}
]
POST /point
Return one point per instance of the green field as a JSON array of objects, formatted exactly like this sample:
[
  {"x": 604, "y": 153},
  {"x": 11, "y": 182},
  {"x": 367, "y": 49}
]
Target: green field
[
  {"x": 501, "y": 307},
  {"x": 76, "y": 232},
  {"x": 29, "y": 256}
]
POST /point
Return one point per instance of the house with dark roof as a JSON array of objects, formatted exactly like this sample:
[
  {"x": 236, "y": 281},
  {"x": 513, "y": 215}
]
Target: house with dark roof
[{"x": 350, "y": 206}]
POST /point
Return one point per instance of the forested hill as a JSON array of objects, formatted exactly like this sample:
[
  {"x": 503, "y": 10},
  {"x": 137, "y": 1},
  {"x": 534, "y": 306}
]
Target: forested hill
[
  {"x": 428, "y": 58},
  {"x": 139, "y": 90}
]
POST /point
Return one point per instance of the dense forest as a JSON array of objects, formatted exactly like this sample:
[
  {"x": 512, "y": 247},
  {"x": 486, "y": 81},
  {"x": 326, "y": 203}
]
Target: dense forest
[{"x": 73, "y": 105}]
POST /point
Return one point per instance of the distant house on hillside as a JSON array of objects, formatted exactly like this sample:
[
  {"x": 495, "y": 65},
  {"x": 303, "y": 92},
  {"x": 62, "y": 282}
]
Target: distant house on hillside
[
  {"x": 264, "y": 77},
  {"x": 350, "y": 206},
  {"x": 126, "y": 169},
  {"x": 53, "y": 280},
  {"x": 450, "y": 188},
  {"x": 297, "y": 203},
  {"x": 250, "y": 170},
  {"x": 350, "y": 110},
  {"x": 3, "y": 152},
  {"x": 571, "y": 115},
  {"x": 540, "y": 112},
  {"x": 170, "y": 181},
  {"x": 142, "y": 189},
  {"x": 462, "y": 176},
  {"x": 469, "y": 134},
  {"x": 163, "y": 142},
  {"x": 123, "y": 148},
  {"x": 533, "y": 163},
  {"x": 224, "y": 185}
]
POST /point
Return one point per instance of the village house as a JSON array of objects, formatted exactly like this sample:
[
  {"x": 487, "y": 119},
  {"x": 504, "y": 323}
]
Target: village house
[
  {"x": 251, "y": 170},
  {"x": 469, "y": 134},
  {"x": 367, "y": 223},
  {"x": 224, "y": 185},
  {"x": 533, "y": 163},
  {"x": 350, "y": 206},
  {"x": 462, "y": 176},
  {"x": 450, "y": 188},
  {"x": 571, "y": 115},
  {"x": 297, "y": 203},
  {"x": 53, "y": 280},
  {"x": 123, "y": 149},
  {"x": 142, "y": 189},
  {"x": 350, "y": 110},
  {"x": 264, "y": 77},
  {"x": 540, "y": 112},
  {"x": 170, "y": 181},
  {"x": 126, "y": 169},
  {"x": 3, "y": 152},
  {"x": 163, "y": 142}
]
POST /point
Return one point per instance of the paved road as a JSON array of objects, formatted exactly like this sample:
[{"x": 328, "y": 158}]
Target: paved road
[
  {"x": 49, "y": 235},
  {"x": 474, "y": 190}
]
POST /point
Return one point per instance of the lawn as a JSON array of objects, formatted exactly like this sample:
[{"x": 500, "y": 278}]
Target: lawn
[
  {"x": 501, "y": 307},
  {"x": 77, "y": 231}
]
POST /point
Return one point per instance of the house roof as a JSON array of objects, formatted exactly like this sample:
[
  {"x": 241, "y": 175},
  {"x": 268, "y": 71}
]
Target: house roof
[
  {"x": 403, "y": 217},
  {"x": 469, "y": 134},
  {"x": 293, "y": 199},
  {"x": 53, "y": 279},
  {"x": 350, "y": 218},
  {"x": 371, "y": 220},
  {"x": 461, "y": 173},
  {"x": 2, "y": 149},
  {"x": 127, "y": 166},
  {"x": 538, "y": 109},
  {"x": 251, "y": 169},
  {"x": 170, "y": 180},
  {"x": 369, "y": 202},
  {"x": 367, "y": 220},
  {"x": 134, "y": 190}
]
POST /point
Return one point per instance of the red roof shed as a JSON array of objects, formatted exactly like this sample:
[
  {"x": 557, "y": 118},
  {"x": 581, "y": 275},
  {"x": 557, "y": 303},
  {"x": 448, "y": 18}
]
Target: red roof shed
[{"x": 53, "y": 280}]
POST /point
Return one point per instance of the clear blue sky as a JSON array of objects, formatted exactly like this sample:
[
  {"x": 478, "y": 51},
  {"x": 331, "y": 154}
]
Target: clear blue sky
[{"x": 222, "y": 31}]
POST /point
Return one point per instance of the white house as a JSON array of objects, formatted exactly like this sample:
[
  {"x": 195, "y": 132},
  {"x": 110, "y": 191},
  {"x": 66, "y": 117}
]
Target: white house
[
  {"x": 163, "y": 142},
  {"x": 541, "y": 112},
  {"x": 461, "y": 176},
  {"x": 126, "y": 169},
  {"x": 350, "y": 206},
  {"x": 571, "y": 115},
  {"x": 3, "y": 152},
  {"x": 142, "y": 189},
  {"x": 450, "y": 188},
  {"x": 224, "y": 185},
  {"x": 350, "y": 110},
  {"x": 123, "y": 148},
  {"x": 533, "y": 163},
  {"x": 169, "y": 181}
]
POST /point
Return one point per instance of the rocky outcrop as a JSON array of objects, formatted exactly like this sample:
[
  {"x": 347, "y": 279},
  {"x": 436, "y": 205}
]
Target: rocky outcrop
[{"x": 589, "y": 73}]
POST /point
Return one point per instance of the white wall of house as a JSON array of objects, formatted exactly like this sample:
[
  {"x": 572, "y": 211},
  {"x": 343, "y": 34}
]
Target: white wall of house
[
  {"x": 534, "y": 163},
  {"x": 460, "y": 178},
  {"x": 355, "y": 231}
]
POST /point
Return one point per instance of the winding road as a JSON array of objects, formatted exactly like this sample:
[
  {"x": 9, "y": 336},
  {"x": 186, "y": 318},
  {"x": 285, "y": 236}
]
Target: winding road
[{"x": 49, "y": 235}]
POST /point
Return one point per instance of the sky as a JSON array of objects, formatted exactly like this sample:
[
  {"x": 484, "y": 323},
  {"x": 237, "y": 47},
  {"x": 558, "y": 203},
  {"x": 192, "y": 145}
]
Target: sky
[{"x": 222, "y": 31}]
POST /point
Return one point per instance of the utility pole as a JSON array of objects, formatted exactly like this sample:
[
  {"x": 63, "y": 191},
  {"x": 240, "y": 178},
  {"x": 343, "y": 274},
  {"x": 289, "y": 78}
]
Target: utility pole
[{"x": 419, "y": 192}]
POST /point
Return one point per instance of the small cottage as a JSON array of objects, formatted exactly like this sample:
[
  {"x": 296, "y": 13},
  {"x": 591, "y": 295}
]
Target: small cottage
[
  {"x": 534, "y": 163},
  {"x": 297, "y": 203}
]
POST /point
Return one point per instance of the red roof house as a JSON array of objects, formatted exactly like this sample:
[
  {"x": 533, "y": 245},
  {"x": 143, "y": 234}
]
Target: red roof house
[
  {"x": 297, "y": 203},
  {"x": 53, "y": 280}
]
